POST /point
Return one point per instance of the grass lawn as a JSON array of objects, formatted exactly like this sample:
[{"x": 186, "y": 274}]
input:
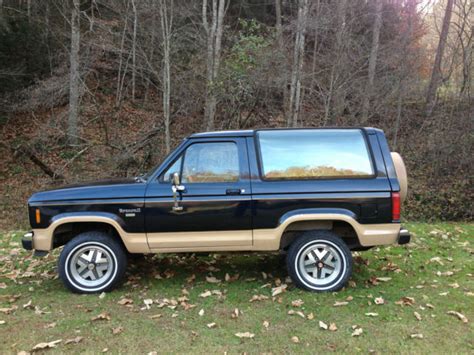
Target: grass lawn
[{"x": 162, "y": 309}]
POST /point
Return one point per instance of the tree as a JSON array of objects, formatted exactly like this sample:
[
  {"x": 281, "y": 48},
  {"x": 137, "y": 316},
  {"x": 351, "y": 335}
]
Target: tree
[
  {"x": 166, "y": 16},
  {"x": 372, "y": 60},
  {"x": 436, "y": 72},
  {"x": 214, "y": 43},
  {"x": 293, "y": 111},
  {"x": 74, "y": 75}
]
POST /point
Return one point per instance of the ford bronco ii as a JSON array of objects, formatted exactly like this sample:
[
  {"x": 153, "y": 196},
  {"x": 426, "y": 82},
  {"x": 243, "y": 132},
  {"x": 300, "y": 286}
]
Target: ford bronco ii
[{"x": 315, "y": 194}]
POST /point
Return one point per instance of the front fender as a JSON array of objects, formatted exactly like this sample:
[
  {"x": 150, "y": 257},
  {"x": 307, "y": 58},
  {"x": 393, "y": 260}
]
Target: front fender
[{"x": 134, "y": 242}]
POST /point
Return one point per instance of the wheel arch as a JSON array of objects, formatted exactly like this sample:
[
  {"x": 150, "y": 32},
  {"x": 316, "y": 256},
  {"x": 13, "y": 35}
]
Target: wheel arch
[
  {"x": 66, "y": 226},
  {"x": 341, "y": 221}
]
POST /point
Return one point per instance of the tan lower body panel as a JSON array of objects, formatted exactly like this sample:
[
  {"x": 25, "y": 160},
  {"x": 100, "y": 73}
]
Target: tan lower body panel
[
  {"x": 247, "y": 240},
  {"x": 190, "y": 240},
  {"x": 134, "y": 242}
]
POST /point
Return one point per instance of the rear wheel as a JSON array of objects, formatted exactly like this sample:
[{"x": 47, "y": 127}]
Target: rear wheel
[
  {"x": 319, "y": 261},
  {"x": 92, "y": 262}
]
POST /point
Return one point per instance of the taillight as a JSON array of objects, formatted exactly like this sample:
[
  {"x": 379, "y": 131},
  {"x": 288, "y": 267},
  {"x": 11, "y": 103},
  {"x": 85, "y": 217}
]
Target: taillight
[{"x": 395, "y": 206}]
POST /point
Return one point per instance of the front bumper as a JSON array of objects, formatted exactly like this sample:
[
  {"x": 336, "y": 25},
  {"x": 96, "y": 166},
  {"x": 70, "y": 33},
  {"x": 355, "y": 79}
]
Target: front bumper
[
  {"x": 404, "y": 236},
  {"x": 27, "y": 241}
]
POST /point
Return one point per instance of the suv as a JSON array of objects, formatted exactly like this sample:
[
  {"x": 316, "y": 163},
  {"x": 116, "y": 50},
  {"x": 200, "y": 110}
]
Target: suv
[{"x": 315, "y": 194}]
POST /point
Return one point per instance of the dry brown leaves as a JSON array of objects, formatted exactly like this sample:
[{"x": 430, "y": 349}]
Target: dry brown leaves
[
  {"x": 102, "y": 316},
  {"x": 460, "y": 316}
]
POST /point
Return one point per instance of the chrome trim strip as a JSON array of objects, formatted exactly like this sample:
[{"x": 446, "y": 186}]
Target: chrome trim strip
[{"x": 87, "y": 202}]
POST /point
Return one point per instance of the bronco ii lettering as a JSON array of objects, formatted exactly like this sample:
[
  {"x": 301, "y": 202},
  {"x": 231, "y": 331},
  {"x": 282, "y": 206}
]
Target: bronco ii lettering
[{"x": 315, "y": 194}]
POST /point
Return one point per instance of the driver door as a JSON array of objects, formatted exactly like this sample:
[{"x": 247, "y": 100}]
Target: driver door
[{"x": 215, "y": 201}]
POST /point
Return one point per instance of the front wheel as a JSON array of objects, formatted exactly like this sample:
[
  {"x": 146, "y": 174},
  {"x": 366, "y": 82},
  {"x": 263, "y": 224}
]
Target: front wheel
[
  {"x": 92, "y": 262},
  {"x": 319, "y": 261}
]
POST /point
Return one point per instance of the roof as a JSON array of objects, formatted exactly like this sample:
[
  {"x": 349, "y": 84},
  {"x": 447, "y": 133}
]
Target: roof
[
  {"x": 217, "y": 134},
  {"x": 251, "y": 132}
]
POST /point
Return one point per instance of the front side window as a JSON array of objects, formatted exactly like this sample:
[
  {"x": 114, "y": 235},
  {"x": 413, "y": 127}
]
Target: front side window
[
  {"x": 306, "y": 154},
  {"x": 174, "y": 168},
  {"x": 211, "y": 162}
]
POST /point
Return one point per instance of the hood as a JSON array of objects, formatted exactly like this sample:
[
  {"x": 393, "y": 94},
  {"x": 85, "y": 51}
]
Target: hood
[{"x": 105, "y": 189}]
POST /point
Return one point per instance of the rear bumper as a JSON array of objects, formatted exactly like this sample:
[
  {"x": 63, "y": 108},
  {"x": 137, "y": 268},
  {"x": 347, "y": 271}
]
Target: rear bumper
[{"x": 404, "y": 236}]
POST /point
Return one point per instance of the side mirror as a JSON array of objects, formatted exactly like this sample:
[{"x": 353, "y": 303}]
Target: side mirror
[{"x": 175, "y": 179}]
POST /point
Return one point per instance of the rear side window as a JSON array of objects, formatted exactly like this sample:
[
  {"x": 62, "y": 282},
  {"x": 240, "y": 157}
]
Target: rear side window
[{"x": 312, "y": 154}]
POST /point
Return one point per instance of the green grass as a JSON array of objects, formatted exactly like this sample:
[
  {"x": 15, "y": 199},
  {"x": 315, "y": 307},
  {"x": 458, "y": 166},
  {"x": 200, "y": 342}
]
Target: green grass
[{"x": 181, "y": 330}]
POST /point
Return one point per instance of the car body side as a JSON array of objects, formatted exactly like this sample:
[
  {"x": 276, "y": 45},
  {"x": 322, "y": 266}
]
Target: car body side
[{"x": 263, "y": 216}]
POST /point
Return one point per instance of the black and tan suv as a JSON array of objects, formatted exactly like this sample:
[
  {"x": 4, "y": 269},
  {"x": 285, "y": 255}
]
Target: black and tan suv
[{"x": 316, "y": 194}]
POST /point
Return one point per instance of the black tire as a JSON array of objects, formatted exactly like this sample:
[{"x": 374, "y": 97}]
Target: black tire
[
  {"x": 340, "y": 261},
  {"x": 112, "y": 251}
]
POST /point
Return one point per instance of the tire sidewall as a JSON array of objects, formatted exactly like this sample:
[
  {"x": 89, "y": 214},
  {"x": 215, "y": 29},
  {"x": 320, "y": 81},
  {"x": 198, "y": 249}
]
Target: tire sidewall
[
  {"x": 327, "y": 238},
  {"x": 92, "y": 239}
]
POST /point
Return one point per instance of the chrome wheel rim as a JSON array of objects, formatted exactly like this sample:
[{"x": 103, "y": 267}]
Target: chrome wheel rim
[
  {"x": 320, "y": 264},
  {"x": 91, "y": 266}
]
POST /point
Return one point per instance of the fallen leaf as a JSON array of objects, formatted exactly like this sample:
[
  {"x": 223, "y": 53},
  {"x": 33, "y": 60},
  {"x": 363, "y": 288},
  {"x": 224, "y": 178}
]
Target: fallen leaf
[
  {"x": 310, "y": 316},
  {"x": 102, "y": 295},
  {"x": 205, "y": 294},
  {"x": 460, "y": 316},
  {"x": 446, "y": 273},
  {"x": 245, "y": 335},
  {"x": 211, "y": 325},
  {"x": 357, "y": 332},
  {"x": 295, "y": 339},
  {"x": 266, "y": 324},
  {"x": 349, "y": 298},
  {"x": 201, "y": 312},
  {"x": 332, "y": 327},
  {"x": 212, "y": 280},
  {"x": 299, "y": 313},
  {"x": 28, "y": 305},
  {"x": 125, "y": 301},
  {"x": 323, "y": 325},
  {"x": 297, "y": 303},
  {"x": 155, "y": 316},
  {"x": 279, "y": 289},
  {"x": 406, "y": 301},
  {"x": 454, "y": 285},
  {"x": 379, "y": 301},
  {"x": 372, "y": 314},
  {"x": 384, "y": 279},
  {"x": 148, "y": 302},
  {"x": 229, "y": 278},
  {"x": 235, "y": 313},
  {"x": 102, "y": 316},
  {"x": 2, "y": 322},
  {"x": 339, "y": 304},
  {"x": 191, "y": 278},
  {"x": 3, "y": 285},
  {"x": 117, "y": 330},
  {"x": 416, "y": 336},
  {"x": 417, "y": 315},
  {"x": 258, "y": 298},
  {"x": 50, "y": 325},
  {"x": 75, "y": 340},
  {"x": 42, "y": 346}
]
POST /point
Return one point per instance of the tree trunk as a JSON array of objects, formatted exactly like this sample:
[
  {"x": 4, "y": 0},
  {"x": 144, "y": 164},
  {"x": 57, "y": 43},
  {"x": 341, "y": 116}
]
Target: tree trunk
[
  {"x": 74, "y": 81},
  {"x": 166, "y": 25},
  {"x": 134, "y": 48},
  {"x": 298, "y": 60},
  {"x": 436, "y": 73},
  {"x": 281, "y": 48},
  {"x": 214, "y": 40},
  {"x": 372, "y": 61}
]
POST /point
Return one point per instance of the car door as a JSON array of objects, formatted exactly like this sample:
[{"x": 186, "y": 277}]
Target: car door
[{"x": 214, "y": 206}]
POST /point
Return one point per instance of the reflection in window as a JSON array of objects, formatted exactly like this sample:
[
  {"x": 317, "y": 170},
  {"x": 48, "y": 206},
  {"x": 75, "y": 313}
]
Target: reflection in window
[
  {"x": 305, "y": 154},
  {"x": 211, "y": 162},
  {"x": 175, "y": 168}
]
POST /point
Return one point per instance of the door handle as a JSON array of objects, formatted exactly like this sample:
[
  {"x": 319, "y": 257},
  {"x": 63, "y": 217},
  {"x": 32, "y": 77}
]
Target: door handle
[{"x": 234, "y": 191}]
